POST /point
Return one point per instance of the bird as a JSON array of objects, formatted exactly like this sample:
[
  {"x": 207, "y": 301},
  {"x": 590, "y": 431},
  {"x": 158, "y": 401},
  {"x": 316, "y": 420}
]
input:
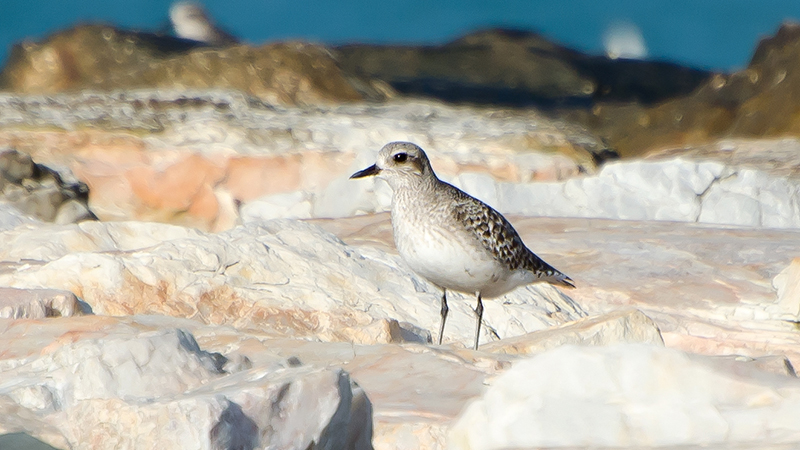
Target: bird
[
  {"x": 452, "y": 239},
  {"x": 190, "y": 21}
]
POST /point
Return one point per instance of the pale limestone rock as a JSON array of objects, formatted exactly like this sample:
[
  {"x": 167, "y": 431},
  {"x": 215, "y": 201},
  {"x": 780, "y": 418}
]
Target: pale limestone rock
[
  {"x": 629, "y": 396},
  {"x": 109, "y": 378},
  {"x": 613, "y": 328},
  {"x": 72, "y": 211},
  {"x": 410, "y": 436},
  {"x": 401, "y": 387},
  {"x": 11, "y": 217},
  {"x": 787, "y": 285},
  {"x": 294, "y": 205},
  {"x": 671, "y": 190},
  {"x": 288, "y": 277},
  {"x": 708, "y": 289},
  {"x": 37, "y": 303}
]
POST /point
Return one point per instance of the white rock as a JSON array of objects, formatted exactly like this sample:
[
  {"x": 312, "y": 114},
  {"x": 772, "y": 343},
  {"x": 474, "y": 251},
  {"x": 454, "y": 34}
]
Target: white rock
[
  {"x": 293, "y": 205},
  {"x": 286, "y": 275},
  {"x": 11, "y": 217},
  {"x": 175, "y": 395},
  {"x": 37, "y": 303},
  {"x": 629, "y": 396},
  {"x": 625, "y": 326},
  {"x": 787, "y": 285},
  {"x": 670, "y": 190}
]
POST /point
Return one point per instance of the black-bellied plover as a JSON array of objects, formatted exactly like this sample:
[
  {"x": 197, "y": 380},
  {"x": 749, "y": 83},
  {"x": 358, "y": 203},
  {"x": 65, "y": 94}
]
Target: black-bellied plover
[
  {"x": 190, "y": 21},
  {"x": 454, "y": 240}
]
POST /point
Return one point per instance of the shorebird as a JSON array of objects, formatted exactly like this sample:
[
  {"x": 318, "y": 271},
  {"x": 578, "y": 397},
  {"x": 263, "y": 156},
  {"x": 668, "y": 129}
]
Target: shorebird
[
  {"x": 452, "y": 239},
  {"x": 190, "y": 21}
]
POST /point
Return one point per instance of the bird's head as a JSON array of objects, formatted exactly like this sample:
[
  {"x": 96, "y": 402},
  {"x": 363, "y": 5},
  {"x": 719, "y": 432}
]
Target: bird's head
[{"x": 400, "y": 163}]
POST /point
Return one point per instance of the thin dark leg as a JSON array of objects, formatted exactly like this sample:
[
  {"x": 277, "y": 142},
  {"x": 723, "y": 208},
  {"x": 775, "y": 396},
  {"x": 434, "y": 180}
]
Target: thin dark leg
[
  {"x": 479, "y": 312},
  {"x": 445, "y": 309}
]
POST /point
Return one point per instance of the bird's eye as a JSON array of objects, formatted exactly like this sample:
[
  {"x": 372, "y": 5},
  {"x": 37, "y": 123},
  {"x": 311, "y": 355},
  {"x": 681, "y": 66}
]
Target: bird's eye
[{"x": 401, "y": 157}]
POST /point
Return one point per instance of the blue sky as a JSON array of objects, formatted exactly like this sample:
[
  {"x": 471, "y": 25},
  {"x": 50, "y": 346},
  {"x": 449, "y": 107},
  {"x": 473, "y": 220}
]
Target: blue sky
[{"x": 718, "y": 34}]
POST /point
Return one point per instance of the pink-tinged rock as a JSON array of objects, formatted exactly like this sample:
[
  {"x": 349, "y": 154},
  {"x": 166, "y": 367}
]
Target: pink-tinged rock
[
  {"x": 252, "y": 177},
  {"x": 176, "y": 186}
]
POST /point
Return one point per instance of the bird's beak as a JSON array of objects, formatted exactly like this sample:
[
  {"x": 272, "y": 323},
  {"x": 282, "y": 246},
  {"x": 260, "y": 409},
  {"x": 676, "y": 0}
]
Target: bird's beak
[{"x": 369, "y": 171}]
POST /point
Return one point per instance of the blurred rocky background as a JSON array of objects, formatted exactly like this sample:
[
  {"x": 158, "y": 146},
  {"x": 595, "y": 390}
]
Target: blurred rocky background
[{"x": 180, "y": 243}]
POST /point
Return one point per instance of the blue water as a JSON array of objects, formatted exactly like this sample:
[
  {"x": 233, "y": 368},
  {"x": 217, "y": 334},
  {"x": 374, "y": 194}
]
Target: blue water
[{"x": 715, "y": 34}]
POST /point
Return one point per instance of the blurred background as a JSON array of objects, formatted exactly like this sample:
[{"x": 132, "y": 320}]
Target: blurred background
[{"x": 707, "y": 34}]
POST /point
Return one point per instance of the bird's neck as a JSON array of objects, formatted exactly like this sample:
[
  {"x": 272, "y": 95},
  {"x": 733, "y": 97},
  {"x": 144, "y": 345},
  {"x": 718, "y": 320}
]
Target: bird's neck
[{"x": 414, "y": 194}]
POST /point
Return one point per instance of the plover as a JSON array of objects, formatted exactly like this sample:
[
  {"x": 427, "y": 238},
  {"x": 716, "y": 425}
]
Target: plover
[
  {"x": 190, "y": 21},
  {"x": 452, "y": 239}
]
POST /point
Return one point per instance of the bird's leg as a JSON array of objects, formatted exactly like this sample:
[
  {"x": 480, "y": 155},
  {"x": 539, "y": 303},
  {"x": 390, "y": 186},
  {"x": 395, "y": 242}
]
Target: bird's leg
[
  {"x": 479, "y": 312},
  {"x": 445, "y": 309}
]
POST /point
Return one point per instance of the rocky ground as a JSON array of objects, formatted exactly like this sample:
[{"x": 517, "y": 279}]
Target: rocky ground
[{"x": 239, "y": 292}]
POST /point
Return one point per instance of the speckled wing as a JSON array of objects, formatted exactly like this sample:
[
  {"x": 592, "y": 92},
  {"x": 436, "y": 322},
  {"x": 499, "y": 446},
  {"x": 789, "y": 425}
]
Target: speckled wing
[{"x": 501, "y": 239}]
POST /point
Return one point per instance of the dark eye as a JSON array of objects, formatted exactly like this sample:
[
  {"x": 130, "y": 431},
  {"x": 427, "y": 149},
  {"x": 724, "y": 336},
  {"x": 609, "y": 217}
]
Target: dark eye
[{"x": 401, "y": 157}]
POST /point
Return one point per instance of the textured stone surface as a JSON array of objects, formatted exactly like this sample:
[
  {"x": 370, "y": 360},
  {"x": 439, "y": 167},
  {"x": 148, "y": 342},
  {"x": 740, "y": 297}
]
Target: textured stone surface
[
  {"x": 11, "y": 217},
  {"x": 300, "y": 299},
  {"x": 630, "y": 396},
  {"x": 97, "y": 379},
  {"x": 518, "y": 68},
  {"x": 289, "y": 278},
  {"x": 189, "y": 157},
  {"x": 101, "y": 361},
  {"x": 760, "y": 100},
  {"x": 613, "y": 328},
  {"x": 105, "y": 58},
  {"x": 37, "y": 303},
  {"x": 40, "y": 191},
  {"x": 708, "y": 289},
  {"x": 787, "y": 285},
  {"x": 680, "y": 189}
]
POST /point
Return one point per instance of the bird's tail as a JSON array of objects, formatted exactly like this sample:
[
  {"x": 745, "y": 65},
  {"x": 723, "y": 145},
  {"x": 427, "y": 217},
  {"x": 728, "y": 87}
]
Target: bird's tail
[{"x": 560, "y": 279}]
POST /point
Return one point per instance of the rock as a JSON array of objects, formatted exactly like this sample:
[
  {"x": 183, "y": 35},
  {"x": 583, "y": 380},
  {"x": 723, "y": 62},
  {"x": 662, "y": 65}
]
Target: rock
[
  {"x": 40, "y": 191},
  {"x": 787, "y": 285},
  {"x": 668, "y": 189},
  {"x": 285, "y": 277},
  {"x": 73, "y": 211},
  {"x": 191, "y": 21},
  {"x": 613, "y": 328},
  {"x": 293, "y": 205},
  {"x": 98, "y": 384},
  {"x": 107, "y": 58},
  {"x": 519, "y": 68},
  {"x": 629, "y": 396},
  {"x": 15, "y": 166},
  {"x": 37, "y": 303},
  {"x": 23, "y": 441},
  {"x": 300, "y": 299},
  {"x": 758, "y": 101},
  {"x": 708, "y": 289},
  {"x": 11, "y": 217},
  {"x": 205, "y": 152},
  {"x": 409, "y": 407}
]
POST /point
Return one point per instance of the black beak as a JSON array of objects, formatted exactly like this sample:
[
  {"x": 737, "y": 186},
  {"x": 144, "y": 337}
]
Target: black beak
[{"x": 369, "y": 171}]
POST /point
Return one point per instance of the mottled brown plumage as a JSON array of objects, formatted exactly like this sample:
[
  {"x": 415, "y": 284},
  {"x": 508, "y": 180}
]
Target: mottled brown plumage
[{"x": 500, "y": 238}]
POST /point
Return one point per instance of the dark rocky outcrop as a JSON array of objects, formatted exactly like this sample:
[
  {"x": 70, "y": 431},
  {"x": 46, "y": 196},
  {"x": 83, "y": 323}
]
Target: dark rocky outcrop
[
  {"x": 517, "y": 68},
  {"x": 763, "y": 100},
  {"x": 106, "y": 58},
  {"x": 40, "y": 191}
]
